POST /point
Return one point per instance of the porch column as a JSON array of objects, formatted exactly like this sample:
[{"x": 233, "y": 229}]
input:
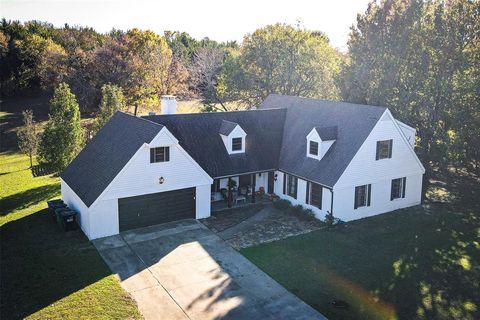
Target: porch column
[
  {"x": 253, "y": 187},
  {"x": 229, "y": 195}
]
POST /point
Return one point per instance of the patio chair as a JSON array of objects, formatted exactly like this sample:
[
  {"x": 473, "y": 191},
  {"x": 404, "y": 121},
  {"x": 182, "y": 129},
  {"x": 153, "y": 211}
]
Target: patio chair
[{"x": 240, "y": 198}]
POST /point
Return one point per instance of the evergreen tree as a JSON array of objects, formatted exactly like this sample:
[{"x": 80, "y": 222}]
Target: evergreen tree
[
  {"x": 112, "y": 101},
  {"x": 63, "y": 137}
]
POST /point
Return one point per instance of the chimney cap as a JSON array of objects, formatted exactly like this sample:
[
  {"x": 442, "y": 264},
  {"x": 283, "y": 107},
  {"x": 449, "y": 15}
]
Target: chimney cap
[{"x": 168, "y": 97}]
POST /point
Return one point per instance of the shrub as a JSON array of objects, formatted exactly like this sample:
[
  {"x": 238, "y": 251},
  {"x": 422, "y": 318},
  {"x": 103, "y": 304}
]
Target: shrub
[
  {"x": 282, "y": 204},
  {"x": 329, "y": 219}
]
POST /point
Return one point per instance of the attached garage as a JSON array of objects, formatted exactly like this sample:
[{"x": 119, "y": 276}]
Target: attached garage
[
  {"x": 150, "y": 209},
  {"x": 134, "y": 174}
]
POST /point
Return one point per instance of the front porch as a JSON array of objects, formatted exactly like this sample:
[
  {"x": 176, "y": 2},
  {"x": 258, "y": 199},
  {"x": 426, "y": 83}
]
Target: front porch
[
  {"x": 241, "y": 190},
  {"x": 221, "y": 205}
]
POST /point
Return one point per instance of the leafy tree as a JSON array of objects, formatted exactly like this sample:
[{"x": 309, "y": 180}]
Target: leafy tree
[
  {"x": 28, "y": 135},
  {"x": 421, "y": 60},
  {"x": 63, "y": 135},
  {"x": 285, "y": 60},
  {"x": 112, "y": 101},
  {"x": 44, "y": 61}
]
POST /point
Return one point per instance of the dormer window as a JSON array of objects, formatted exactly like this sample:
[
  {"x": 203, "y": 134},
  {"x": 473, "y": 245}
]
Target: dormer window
[
  {"x": 319, "y": 141},
  {"x": 233, "y": 137},
  {"x": 313, "y": 148},
  {"x": 237, "y": 144}
]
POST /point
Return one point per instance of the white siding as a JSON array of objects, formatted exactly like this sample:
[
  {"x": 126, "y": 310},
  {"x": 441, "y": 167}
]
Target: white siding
[
  {"x": 74, "y": 202},
  {"x": 202, "y": 201},
  {"x": 104, "y": 219},
  {"x": 343, "y": 199},
  {"x": 409, "y": 132},
  {"x": 301, "y": 196},
  {"x": 141, "y": 177},
  {"x": 364, "y": 169}
]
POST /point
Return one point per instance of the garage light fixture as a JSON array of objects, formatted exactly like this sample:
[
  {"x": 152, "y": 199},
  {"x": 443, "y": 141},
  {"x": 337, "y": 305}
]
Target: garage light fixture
[{"x": 161, "y": 180}]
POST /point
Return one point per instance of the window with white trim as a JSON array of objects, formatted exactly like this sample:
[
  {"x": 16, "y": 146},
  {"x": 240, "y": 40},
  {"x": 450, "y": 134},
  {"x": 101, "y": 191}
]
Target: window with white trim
[
  {"x": 384, "y": 149},
  {"x": 362, "y": 196},
  {"x": 316, "y": 192},
  {"x": 398, "y": 188},
  {"x": 313, "y": 148},
  {"x": 159, "y": 154},
  {"x": 237, "y": 144}
]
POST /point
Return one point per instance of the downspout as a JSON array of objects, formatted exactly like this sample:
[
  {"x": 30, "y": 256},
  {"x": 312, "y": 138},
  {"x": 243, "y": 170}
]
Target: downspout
[{"x": 331, "y": 202}]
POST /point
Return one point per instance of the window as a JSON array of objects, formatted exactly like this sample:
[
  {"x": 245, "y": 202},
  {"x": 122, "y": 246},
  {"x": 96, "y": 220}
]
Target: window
[
  {"x": 237, "y": 144},
  {"x": 160, "y": 154},
  {"x": 398, "y": 188},
  {"x": 290, "y": 183},
  {"x": 313, "y": 148},
  {"x": 362, "y": 196},
  {"x": 384, "y": 149},
  {"x": 316, "y": 195}
]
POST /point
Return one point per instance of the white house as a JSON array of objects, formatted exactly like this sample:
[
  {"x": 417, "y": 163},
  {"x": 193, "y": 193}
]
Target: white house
[{"x": 352, "y": 160}]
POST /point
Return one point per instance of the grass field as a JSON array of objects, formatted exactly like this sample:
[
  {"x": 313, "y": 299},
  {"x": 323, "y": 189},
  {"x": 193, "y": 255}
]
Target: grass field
[
  {"x": 45, "y": 272},
  {"x": 414, "y": 263}
]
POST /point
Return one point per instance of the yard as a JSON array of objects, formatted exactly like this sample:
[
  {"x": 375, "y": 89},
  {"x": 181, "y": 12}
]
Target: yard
[
  {"x": 411, "y": 264},
  {"x": 46, "y": 273}
]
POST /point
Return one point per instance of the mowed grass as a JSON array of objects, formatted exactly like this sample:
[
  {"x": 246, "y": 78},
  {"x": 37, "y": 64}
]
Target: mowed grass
[
  {"x": 45, "y": 272},
  {"x": 409, "y": 264}
]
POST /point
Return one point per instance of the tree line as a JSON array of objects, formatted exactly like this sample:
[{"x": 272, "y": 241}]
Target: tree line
[
  {"x": 278, "y": 58},
  {"x": 419, "y": 58}
]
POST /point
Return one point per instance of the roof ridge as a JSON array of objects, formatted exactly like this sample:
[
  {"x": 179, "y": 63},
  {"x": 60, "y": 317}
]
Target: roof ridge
[
  {"x": 204, "y": 113},
  {"x": 140, "y": 118},
  {"x": 325, "y": 100}
]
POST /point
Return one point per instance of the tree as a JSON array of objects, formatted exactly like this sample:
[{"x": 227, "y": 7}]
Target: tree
[
  {"x": 150, "y": 59},
  {"x": 63, "y": 136},
  {"x": 285, "y": 60},
  {"x": 205, "y": 71},
  {"x": 112, "y": 101},
  {"x": 418, "y": 58},
  {"x": 44, "y": 61},
  {"x": 28, "y": 136}
]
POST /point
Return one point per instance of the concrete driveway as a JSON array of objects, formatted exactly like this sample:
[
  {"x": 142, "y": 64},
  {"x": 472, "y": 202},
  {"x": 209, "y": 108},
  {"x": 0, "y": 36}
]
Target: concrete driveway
[{"x": 182, "y": 270}]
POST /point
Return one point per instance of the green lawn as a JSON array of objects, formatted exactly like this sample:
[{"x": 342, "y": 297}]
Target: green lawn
[
  {"x": 408, "y": 264},
  {"x": 47, "y": 273}
]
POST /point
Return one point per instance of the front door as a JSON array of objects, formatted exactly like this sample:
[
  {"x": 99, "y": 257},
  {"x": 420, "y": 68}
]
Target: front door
[{"x": 271, "y": 178}]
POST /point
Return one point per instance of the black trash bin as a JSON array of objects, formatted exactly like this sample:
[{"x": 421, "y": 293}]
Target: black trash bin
[
  {"x": 67, "y": 219},
  {"x": 58, "y": 211},
  {"x": 55, "y": 204}
]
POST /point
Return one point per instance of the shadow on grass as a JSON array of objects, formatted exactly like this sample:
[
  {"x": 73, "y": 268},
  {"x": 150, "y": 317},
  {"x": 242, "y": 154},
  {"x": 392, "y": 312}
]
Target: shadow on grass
[
  {"x": 41, "y": 264},
  {"x": 27, "y": 198}
]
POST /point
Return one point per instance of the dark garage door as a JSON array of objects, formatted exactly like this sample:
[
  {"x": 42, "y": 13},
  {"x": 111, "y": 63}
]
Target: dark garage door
[{"x": 155, "y": 208}]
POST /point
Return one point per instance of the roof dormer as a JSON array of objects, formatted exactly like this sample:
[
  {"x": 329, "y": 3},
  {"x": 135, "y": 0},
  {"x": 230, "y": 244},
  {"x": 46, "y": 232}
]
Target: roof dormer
[
  {"x": 233, "y": 137},
  {"x": 319, "y": 140}
]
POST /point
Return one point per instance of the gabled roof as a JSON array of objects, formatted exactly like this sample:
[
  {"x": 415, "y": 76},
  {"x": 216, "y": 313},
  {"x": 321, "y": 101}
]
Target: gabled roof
[
  {"x": 105, "y": 156},
  {"x": 327, "y": 133},
  {"x": 227, "y": 127},
  {"x": 198, "y": 135},
  {"x": 275, "y": 140},
  {"x": 354, "y": 123}
]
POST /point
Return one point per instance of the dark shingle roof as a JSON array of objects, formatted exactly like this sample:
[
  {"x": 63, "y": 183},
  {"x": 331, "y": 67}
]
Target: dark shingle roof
[
  {"x": 108, "y": 152},
  {"x": 354, "y": 122},
  {"x": 198, "y": 134},
  {"x": 276, "y": 139},
  {"x": 227, "y": 127},
  {"x": 327, "y": 133}
]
